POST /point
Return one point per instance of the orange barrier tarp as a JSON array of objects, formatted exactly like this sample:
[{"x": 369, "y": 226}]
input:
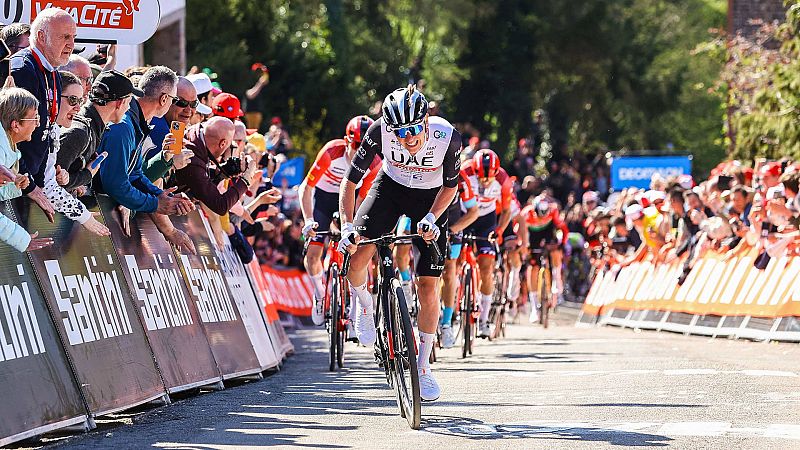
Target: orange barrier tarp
[
  {"x": 290, "y": 289},
  {"x": 716, "y": 285}
]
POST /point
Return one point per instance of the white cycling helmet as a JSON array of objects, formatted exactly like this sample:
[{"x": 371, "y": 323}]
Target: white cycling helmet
[{"x": 404, "y": 107}]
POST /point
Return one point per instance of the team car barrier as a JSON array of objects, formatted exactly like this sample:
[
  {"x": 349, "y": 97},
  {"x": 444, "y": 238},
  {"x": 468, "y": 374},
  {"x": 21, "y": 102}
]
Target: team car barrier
[
  {"x": 723, "y": 294},
  {"x": 94, "y": 325}
]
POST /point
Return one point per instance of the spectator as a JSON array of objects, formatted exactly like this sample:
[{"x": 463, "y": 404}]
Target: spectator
[
  {"x": 210, "y": 141},
  {"x": 787, "y": 206},
  {"x": 625, "y": 240},
  {"x": 79, "y": 66},
  {"x": 741, "y": 205},
  {"x": 227, "y": 105},
  {"x": 254, "y": 101},
  {"x": 18, "y": 118},
  {"x": 34, "y": 69},
  {"x": 72, "y": 97},
  {"x": 158, "y": 161},
  {"x": 121, "y": 175},
  {"x": 203, "y": 87},
  {"x": 278, "y": 140},
  {"x": 108, "y": 102},
  {"x": 16, "y": 36}
]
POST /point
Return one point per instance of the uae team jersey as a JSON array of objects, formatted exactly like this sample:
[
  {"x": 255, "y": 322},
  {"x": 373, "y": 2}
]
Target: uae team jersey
[
  {"x": 494, "y": 198},
  {"x": 331, "y": 166},
  {"x": 435, "y": 165}
]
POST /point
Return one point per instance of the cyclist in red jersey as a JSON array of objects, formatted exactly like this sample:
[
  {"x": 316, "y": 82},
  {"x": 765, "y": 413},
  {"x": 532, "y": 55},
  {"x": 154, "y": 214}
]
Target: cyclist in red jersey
[
  {"x": 319, "y": 200},
  {"x": 493, "y": 188},
  {"x": 543, "y": 219},
  {"x": 512, "y": 242}
]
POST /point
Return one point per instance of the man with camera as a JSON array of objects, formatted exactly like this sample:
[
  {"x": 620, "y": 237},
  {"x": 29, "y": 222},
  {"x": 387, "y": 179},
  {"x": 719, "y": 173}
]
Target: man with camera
[{"x": 211, "y": 144}]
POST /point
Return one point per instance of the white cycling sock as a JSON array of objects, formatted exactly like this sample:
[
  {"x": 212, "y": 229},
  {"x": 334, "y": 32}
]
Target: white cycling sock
[
  {"x": 364, "y": 298},
  {"x": 513, "y": 283},
  {"x": 426, "y": 341},
  {"x": 353, "y": 303},
  {"x": 319, "y": 288},
  {"x": 486, "y": 304}
]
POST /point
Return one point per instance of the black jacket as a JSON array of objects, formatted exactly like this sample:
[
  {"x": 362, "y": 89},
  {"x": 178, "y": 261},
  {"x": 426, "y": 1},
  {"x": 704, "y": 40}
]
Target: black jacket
[{"x": 79, "y": 145}]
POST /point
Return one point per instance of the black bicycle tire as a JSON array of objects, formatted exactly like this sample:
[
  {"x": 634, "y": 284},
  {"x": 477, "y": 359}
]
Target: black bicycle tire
[
  {"x": 545, "y": 296},
  {"x": 466, "y": 312},
  {"x": 344, "y": 295},
  {"x": 333, "y": 329},
  {"x": 412, "y": 407}
]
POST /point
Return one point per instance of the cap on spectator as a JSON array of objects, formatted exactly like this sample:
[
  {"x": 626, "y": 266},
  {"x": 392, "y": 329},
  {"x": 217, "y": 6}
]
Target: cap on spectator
[
  {"x": 654, "y": 196},
  {"x": 258, "y": 141},
  {"x": 686, "y": 181},
  {"x": 590, "y": 196},
  {"x": 112, "y": 85},
  {"x": 771, "y": 169},
  {"x": 748, "y": 175},
  {"x": 634, "y": 212},
  {"x": 201, "y": 82},
  {"x": 227, "y": 105},
  {"x": 276, "y": 121}
]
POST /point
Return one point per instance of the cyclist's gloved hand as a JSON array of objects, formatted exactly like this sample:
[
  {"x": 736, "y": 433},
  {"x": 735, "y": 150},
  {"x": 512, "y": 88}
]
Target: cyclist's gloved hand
[
  {"x": 427, "y": 228},
  {"x": 309, "y": 227},
  {"x": 349, "y": 239}
]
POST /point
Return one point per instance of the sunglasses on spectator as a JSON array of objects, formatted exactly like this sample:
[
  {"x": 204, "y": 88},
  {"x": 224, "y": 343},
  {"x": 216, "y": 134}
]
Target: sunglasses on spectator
[
  {"x": 74, "y": 100},
  {"x": 174, "y": 98},
  {"x": 182, "y": 103},
  {"x": 413, "y": 130}
]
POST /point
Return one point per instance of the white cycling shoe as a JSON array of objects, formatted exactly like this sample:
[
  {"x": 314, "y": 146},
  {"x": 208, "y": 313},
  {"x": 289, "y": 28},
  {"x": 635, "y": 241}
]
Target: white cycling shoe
[
  {"x": 448, "y": 337},
  {"x": 428, "y": 387},
  {"x": 318, "y": 312},
  {"x": 483, "y": 329},
  {"x": 365, "y": 327}
]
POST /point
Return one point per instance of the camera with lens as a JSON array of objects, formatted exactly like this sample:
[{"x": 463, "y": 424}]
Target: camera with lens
[{"x": 232, "y": 167}]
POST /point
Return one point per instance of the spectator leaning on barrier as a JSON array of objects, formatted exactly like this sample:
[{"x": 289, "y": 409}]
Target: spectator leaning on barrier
[
  {"x": 34, "y": 69},
  {"x": 210, "y": 141},
  {"x": 79, "y": 66},
  {"x": 18, "y": 118},
  {"x": 121, "y": 175},
  {"x": 158, "y": 161},
  {"x": 108, "y": 102}
]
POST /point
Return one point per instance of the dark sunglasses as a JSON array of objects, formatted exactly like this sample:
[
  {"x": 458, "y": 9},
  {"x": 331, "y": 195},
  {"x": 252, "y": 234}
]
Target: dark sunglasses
[
  {"x": 74, "y": 100},
  {"x": 413, "y": 130},
  {"x": 181, "y": 103}
]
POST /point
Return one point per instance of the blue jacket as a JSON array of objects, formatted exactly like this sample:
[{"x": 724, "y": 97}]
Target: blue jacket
[
  {"x": 10, "y": 232},
  {"x": 29, "y": 76},
  {"x": 121, "y": 175}
]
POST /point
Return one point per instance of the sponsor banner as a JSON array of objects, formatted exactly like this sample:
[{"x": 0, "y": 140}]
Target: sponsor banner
[
  {"x": 84, "y": 285},
  {"x": 636, "y": 171},
  {"x": 718, "y": 284},
  {"x": 249, "y": 309},
  {"x": 219, "y": 315},
  {"x": 280, "y": 340},
  {"x": 38, "y": 390},
  {"x": 291, "y": 290},
  {"x": 162, "y": 302},
  {"x": 292, "y": 170},
  {"x": 119, "y": 21}
]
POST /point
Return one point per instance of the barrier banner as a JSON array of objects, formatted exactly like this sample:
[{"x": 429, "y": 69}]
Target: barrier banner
[
  {"x": 38, "y": 390},
  {"x": 230, "y": 343},
  {"x": 162, "y": 301},
  {"x": 291, "y": 290},
  {"x": 280, "y": 341},
  {"x": 719, "y": 283},
  {"x": 246, "y": 301},
  {"x": 83, "y": 283}
]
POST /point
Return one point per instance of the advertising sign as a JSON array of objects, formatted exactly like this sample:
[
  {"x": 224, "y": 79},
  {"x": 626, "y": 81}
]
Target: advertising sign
[
  {"x": 292, "y": 170},
  {"x": 35, "y": 373},
  {"x": 162, "y": 301},
  {"x": 219, "y": 314},
  {"x": 119, "y": 21},
  {"x": 84, "y": 285},
  {"x": 290, "y": 289},
  {"x": 636, "y": 171}
]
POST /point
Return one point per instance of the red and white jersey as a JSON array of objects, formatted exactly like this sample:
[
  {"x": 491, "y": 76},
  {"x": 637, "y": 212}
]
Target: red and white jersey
[
  {"x": 494, "y": 198},
  {"x": 332, "y": 165}
]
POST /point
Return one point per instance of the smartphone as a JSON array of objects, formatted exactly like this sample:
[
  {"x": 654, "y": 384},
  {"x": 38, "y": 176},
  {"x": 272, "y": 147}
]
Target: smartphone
[
  {"x": 177, "y": 129},
  {"x": 96, "y": 162},
  {"x": 724, "y": 182}
]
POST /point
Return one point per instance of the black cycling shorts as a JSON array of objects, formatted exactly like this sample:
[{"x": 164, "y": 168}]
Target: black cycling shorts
[
  {"x": 545, "y": 236},
  {"x": 386, "y": 201},
  {"x": 325, "y": 205},
  {"x": 508, "y": 233},
  {"x": 482, "y": 228}
]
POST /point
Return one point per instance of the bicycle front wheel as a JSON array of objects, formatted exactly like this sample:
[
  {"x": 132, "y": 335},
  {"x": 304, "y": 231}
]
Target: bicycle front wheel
[
  {"x": 333, "y": 319},
  {"x": 404, "y": 363},
  {"x": 341, "y": 323}
]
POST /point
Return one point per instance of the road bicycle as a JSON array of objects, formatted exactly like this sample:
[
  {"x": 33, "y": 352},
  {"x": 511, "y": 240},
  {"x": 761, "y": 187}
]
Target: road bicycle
[
  {"x": 396, "y": 346},
  {"x": 541, "y": 263},
  {"x": 337, "y": 299},
  {"x": 468, "y": 281},
  {"x": 500, "y": 301}
]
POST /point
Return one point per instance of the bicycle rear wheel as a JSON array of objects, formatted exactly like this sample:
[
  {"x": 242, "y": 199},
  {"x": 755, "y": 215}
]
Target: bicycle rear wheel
[
  {"x": 333, "y": 319},
  {"x": 404, "y": 347},
  {"x": 544, "y": 296},
  {"x": 344, "y": 295}
]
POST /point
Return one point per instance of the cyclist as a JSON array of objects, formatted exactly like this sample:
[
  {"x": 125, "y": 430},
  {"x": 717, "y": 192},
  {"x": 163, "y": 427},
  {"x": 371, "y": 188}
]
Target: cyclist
[
  {"x": 511, "y": 243},
  {"x": 543, "y": 221},
  {"x": 319, "y": 200},
  {"x": 493, "y": 188},
  {"x": 458, "y": 219},
  {"x": 418, "y": 178}
]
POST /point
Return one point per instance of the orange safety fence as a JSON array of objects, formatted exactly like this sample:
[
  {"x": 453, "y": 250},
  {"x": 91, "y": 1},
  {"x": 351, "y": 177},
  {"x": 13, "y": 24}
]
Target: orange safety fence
[
  {"x": 718, "y": 284},
  {"x": 290, "y": 289}
]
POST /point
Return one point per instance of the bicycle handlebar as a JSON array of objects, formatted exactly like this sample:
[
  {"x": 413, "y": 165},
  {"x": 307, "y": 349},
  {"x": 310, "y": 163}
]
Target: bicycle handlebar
[
  {"x": 387, "y": 240},
  {"x": 334, "y": 234}
]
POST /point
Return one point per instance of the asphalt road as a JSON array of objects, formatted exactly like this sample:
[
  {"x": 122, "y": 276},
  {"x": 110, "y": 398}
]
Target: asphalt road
[{"x": 564, "y": 387}]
